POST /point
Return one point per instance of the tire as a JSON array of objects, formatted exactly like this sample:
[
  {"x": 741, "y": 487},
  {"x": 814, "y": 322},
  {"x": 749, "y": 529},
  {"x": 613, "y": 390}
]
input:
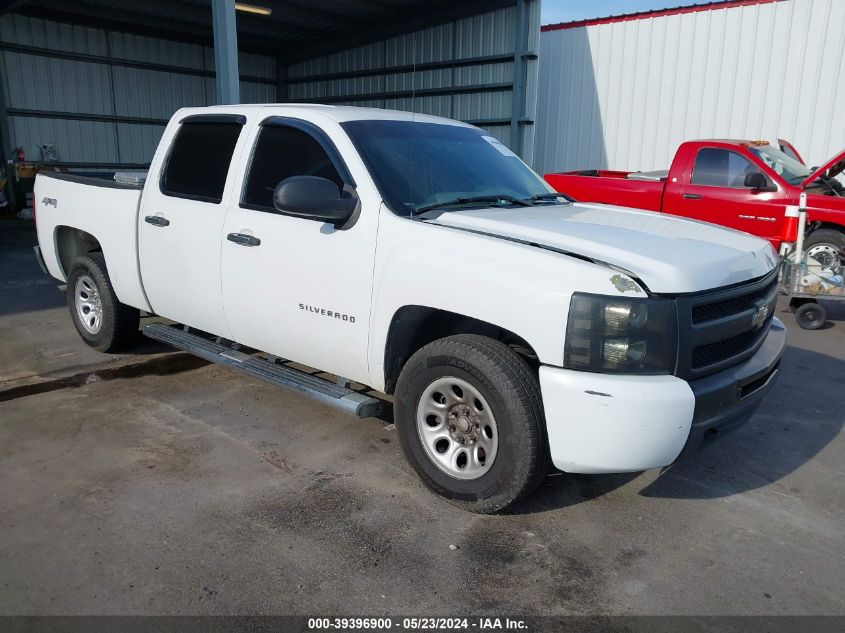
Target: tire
[
  {"x": 827, "y": 245},
  {"x": 501, "y": 394},
  {"x": 101, "y": 320},
  {"x": 811, "y": 316}
]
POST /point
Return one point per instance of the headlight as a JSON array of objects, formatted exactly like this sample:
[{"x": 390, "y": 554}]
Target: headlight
[{"x": 614, "y": 335}]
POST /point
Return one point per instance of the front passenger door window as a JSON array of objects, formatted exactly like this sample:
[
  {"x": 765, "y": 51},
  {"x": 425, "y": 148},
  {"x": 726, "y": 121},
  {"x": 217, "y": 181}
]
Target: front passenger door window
[{"x": 282, "y": 152}]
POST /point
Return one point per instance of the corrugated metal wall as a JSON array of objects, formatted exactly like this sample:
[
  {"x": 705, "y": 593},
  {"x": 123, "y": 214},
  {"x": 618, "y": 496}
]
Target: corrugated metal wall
[
  {"x": 623, "y": 95},
  {"x": 480, "y": 93},
  {"x": 102, "y": 97}
]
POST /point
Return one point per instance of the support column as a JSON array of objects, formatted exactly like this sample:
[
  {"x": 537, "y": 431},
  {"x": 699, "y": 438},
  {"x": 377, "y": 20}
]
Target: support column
[
  {"x": 6, "y": 149},
  {"x": 282, "y": 91},
  {"x": 227, "y": 86},
  {"x": 518, "y": 100}
]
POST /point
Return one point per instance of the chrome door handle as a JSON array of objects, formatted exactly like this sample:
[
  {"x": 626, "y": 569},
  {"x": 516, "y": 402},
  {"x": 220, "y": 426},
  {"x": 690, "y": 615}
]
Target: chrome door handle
[
  {"x": 692, "y": 196},
  {"x": 243, "y": 239},
  {"x": 157, "y": 220}
]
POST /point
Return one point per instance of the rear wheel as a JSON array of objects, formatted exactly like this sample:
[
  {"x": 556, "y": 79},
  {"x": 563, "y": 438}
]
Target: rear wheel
[
  {"x": 811, "y": 316},
  {"x": 470, "y": 420},
  {"x": 101, "y": 320}
]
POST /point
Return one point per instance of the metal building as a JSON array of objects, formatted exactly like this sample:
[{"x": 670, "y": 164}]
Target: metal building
[
  {"x": 98, "y": 79},
  {"x": 623, "y": 92}
]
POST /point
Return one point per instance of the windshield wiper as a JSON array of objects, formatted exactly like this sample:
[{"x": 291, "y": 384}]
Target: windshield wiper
[
  {"x": 471, "y": 199},
  {"x": 550, "y": 196}
]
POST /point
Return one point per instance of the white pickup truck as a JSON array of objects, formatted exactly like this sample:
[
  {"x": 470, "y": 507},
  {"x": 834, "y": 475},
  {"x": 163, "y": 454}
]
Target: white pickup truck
[{"x": 420, "y": 257}]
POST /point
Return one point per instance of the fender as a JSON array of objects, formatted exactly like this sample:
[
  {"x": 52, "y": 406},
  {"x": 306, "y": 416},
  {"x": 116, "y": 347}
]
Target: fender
[{"x": 504, "y": 283}]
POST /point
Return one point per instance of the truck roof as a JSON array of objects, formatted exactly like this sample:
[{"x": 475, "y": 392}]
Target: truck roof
[
  {"x": 338, "y": 113},
  {"x": 738, "y": 142}
]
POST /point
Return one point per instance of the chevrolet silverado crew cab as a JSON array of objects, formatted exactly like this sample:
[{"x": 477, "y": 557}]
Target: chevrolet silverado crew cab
[
  {"x": 746, "y": 185},
  {"x": 420, "y": 257}
]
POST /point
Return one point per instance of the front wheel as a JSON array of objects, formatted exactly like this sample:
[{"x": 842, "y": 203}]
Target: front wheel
[
  {"x": 101, "y": 320},
  {"x": 470, "y": 420},
  {"x": 826, "y": 246}
]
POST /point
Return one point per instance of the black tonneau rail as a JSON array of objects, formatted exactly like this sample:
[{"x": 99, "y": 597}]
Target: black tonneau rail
[{"x": 93, "y": 181}]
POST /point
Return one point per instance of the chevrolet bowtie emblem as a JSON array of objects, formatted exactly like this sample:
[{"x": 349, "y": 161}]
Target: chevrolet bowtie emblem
[{"x": 758, "y": 318}]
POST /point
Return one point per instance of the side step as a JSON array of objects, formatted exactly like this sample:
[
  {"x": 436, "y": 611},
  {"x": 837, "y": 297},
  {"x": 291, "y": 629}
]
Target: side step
[{"x": 334, "y": 395}]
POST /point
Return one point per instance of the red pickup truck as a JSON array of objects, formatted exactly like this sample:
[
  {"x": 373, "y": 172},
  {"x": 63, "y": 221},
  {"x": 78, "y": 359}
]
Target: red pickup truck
[{"x": 745, "y": 185}]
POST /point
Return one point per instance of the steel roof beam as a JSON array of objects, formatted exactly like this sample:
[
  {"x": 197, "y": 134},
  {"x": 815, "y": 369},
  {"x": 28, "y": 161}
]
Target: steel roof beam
[
  {"x": 139, "y": 24},
  {"x": 173, "y": 9},
  {"x": 305, "y": 10},
  {"x": 443, "y": 11},
  {"x": 8, "y": 6},
  {"x": 377, "y": 6}
]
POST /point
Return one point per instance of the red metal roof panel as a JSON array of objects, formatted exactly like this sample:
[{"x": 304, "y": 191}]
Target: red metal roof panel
[{"x": 656, "y": 13}]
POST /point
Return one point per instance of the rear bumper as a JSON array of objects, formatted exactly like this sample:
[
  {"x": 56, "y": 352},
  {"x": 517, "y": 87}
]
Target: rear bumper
[{"x": 600, "y": 423}]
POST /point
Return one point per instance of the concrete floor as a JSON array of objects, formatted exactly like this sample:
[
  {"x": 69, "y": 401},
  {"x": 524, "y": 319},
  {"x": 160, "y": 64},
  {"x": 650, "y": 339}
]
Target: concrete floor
[{"x": 157, "y": 484}]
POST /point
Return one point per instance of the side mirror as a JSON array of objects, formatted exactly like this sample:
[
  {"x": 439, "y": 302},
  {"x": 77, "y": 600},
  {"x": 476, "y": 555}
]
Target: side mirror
[
  {"x": 757, "y": 181},
  {"x": 314, "y": 198}
]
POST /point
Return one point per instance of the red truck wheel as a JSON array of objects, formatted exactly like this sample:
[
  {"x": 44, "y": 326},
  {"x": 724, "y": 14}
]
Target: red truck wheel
[{"x": 826, "y": 246}]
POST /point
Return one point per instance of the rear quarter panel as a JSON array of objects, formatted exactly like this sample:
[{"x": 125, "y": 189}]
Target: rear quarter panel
[
  {"x": 105, "y": 212},
  {"x": 637, "y": 194}
]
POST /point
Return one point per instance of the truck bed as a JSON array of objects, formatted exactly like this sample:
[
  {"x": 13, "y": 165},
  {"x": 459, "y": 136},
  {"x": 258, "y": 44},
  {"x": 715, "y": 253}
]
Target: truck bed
[
  {"x": 66, "y": 204},
  {"x": 640, "y": 190}
]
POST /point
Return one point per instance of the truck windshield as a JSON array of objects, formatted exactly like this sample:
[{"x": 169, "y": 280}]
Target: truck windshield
[
  {"x": 419, "y": 165},
  {"x": 787, "y": 167}
]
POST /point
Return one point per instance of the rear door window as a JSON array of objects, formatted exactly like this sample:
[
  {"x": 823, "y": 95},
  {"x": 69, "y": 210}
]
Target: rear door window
[
  {"x": 199, "y": 160},
  {"x": 721, "y": 168},
  {"x": 282, "y": 152}
]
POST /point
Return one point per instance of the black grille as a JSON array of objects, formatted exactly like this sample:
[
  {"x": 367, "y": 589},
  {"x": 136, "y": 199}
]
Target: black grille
[
  {"x": 727, "y": 307},
  {"x": 714, "y": 353},
  {"x": 717, "y": 328}
]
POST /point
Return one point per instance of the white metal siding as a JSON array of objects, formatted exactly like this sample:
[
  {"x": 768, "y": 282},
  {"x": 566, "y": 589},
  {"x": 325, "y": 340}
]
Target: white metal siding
[{"x": 623, "y": 95}]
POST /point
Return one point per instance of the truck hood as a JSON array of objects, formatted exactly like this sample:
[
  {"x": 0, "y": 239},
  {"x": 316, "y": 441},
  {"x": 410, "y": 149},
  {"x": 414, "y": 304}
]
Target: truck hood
[
  {"x": 836, "y": 165},
  {"x": 669, "y": 254}
]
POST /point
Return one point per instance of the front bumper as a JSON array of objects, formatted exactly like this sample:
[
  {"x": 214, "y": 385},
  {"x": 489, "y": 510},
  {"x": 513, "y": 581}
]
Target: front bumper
[
  {"x": 600, "y": 423},
  {"x": 724, "y": 401}
]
